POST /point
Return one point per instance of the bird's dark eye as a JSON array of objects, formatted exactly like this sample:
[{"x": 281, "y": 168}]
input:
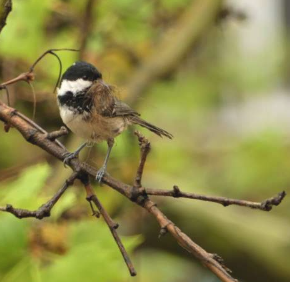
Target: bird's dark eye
[{"x": 85, "y": 77}]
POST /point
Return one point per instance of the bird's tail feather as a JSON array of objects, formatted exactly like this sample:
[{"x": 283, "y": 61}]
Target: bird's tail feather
[{"x": 160, "y": 132}]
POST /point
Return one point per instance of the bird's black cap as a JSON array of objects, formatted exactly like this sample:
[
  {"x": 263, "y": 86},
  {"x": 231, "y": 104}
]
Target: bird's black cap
[{"x": 82, "y": 70}]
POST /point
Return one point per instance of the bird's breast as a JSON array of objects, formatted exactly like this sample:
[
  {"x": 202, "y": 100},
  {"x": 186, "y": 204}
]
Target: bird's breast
[{"x": 92, "y": 127}]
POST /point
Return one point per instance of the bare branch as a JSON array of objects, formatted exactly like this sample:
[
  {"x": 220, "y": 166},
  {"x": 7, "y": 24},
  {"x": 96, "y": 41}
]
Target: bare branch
[
  {"x": 266, "y": 205},
  {"x": 145, "y": 147},
  {"x": 92, "y": 197},
  {"x": 45, "y": 209},
  {"x": 5, "y": 9},
  {"x": 36, "y": 137},
  {"x": 207, "y": 259},
  {"x": 187, "y": 33},
  {"x": 50, "y": 51},
  {"x": 26, "y": 76},
  {"x": 29, "y": 77},
  {"x": 58, "y": 133},
  {"x": 37, "y": 127}
]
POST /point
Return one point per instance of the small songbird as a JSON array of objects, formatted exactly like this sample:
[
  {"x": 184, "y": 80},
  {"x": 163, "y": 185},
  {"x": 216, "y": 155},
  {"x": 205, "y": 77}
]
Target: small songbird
[{"x": 90, "y": 109}]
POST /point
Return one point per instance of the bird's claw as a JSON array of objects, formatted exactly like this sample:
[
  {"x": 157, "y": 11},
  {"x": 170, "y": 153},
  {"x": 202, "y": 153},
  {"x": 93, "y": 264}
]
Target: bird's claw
[
  {"x": 100, "y": 174},
  {"x": 68, "y": 158}
]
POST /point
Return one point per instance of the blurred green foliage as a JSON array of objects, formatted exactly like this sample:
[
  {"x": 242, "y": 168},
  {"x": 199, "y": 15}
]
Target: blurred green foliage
[
  {"x": 214, "y": 151},
  {"x": 90, "y": 251}
]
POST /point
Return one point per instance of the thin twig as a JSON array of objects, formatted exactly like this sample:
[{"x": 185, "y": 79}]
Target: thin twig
[
  {"x": 145, "y": 147},
  {"x": 36, "y": 126},
  {"x": 45, "y": 209},
  {"x": 94, "y": 212},
  {"x": 59, "y": 73},
  {"x": 25, "y": 76},
  {"x": 58, "y": 133},
  {"x": 265, "y": 205},
  {"x": 29, "y": 76},
  {"x": 34, "y": 100},
  {"x": 209, "y": 260},
  {"x": 7, "y": 94},
  {"x": 50, "y": 51},
  {"x": 92, "y": 197}
]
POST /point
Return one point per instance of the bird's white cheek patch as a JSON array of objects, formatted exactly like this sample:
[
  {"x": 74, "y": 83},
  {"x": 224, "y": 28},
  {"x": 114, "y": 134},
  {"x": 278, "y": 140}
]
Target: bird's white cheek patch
[{"x": 73, "y": 86}]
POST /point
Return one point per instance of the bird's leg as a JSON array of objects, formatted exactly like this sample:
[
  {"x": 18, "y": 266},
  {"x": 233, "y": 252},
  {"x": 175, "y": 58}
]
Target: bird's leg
[
  {"x": 69, "y": 156},
  {"x": 102, "y": 170}
]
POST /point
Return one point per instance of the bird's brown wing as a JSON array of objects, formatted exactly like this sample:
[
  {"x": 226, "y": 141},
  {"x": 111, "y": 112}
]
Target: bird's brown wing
[
  {"x": 122, "y": 109},
  {"x": 107, "y": 105},
  {"x": 105, "y": 102}
]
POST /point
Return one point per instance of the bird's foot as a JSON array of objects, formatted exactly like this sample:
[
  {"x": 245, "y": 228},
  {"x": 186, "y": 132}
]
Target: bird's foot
[
  {"x": 100, "y": 174},
  {"x": 69, "y": 157}
]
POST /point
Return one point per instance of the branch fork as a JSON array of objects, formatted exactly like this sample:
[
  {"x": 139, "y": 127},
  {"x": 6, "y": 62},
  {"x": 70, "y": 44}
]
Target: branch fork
[
  {"x": 34, "y": 134},
  {"x": 45, "y": 209},
  {"x": 52, "y": 136}
]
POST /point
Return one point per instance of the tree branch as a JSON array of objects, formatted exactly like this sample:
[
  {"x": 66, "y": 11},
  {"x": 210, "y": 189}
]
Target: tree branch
[
  {"x": 56, "y": 134},
  {"x": 5, "y": 9},
  {"x": 211, "y": 261},
  {"x": 265, "y": 205},
  {"x": 144, "y": 150},
  {"x": 45, "y": 209},
  {"x": 34, "y": 134},
  {"x": 38, "y": 138},
  {"x": 92, "y": 197}
]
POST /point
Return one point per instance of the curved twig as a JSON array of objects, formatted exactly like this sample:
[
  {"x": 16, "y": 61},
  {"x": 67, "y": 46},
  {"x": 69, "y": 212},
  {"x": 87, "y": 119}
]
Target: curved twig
[{"x": 50, "y": 51}]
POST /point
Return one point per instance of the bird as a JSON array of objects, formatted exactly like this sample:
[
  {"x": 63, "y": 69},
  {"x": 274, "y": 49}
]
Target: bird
[{"x": 90, "y": 109}]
